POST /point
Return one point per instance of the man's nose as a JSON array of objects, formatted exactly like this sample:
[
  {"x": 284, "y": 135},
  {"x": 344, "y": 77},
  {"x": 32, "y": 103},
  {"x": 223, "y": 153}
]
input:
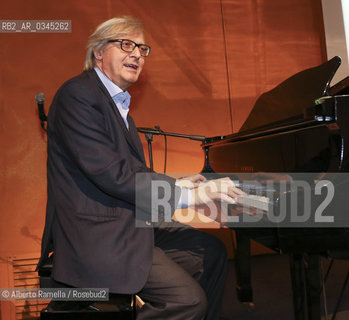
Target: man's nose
[{"x": 136, "y": 53}]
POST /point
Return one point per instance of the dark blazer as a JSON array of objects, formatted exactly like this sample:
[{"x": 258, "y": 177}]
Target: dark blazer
[{"x": 92, "y": 165}]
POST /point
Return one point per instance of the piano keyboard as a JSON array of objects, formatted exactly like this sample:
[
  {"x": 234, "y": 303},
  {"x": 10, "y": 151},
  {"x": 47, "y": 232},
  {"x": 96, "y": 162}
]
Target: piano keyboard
[
  {"x": 254, "y": 188},
  {"x": 256, "y": 195},
  {"x": 254, "y": 201}
]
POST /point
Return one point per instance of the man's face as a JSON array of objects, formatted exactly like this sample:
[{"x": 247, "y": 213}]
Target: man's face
[{"x": 121, "y": 67}]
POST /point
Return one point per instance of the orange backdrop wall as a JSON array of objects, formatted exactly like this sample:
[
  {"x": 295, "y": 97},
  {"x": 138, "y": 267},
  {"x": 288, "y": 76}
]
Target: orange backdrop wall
[{"x": 210, "y": 60}]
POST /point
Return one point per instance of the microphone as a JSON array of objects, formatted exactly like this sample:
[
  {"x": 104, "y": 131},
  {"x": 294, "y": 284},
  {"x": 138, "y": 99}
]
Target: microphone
[
  {"x": 40, "y": 98},
  {"x": 155, "y": 130},
  {"x": 158, "y": 131}
]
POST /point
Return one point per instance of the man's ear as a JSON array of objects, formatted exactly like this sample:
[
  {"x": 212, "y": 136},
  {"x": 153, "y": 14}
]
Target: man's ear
[{"x": 98, "y": 54}]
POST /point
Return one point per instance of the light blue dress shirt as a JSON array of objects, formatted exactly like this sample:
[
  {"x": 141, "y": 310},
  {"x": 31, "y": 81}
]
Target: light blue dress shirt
[{"x": 113, "y": 90}]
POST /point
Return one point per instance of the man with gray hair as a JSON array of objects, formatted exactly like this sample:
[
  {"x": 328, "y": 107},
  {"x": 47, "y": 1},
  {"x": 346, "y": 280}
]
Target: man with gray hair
[{"x": 94, "y": 155}]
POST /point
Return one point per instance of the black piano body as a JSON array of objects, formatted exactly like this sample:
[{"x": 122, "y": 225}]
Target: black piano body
[{"x": 287, "y": 132}]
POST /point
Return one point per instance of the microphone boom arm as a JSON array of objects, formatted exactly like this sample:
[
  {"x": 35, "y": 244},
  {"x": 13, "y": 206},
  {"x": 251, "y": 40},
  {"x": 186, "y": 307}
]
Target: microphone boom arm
[
  {"x": 157, "y": 131},
  {"x": 149, "y": 132}
]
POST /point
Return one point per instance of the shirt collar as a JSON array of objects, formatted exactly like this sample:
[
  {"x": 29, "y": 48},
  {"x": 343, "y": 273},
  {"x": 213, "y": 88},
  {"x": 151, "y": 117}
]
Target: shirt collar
[{"x": 111, "y": 87}]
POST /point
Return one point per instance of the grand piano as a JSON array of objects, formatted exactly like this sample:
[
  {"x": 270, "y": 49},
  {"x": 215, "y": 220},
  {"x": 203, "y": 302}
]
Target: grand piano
[{"x": 300, "y": 126}]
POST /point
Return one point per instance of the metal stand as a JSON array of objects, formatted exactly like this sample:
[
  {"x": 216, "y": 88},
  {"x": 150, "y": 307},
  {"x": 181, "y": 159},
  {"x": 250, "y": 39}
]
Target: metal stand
[
  {"x": 149, "y": 137},
  {"x": 149, "y": 132}
]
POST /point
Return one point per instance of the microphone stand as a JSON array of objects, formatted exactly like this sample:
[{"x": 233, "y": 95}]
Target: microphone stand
[{"x": 149, "y": 132}]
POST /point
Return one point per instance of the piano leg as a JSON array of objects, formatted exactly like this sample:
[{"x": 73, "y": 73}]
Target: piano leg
[
  {"x": 243, "y": 268},
  {"x": 298, "y": 286},
  {"x": 306, "y": 286},
  {"x": 314, "y": 286}
]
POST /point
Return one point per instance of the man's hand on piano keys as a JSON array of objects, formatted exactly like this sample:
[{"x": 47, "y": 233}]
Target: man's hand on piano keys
[
  {"x": 208, "y": 191},
  {"x": 191, "y": 181},
  {"x": 212, "y": 197}
]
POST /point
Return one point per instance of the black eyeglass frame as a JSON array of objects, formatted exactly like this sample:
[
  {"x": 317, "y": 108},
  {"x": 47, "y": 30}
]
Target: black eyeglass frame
[{"x": 135, "y": 45}]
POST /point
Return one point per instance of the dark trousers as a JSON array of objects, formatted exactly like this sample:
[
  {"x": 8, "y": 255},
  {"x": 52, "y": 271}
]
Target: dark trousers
[{"x": 187, "y": 276}]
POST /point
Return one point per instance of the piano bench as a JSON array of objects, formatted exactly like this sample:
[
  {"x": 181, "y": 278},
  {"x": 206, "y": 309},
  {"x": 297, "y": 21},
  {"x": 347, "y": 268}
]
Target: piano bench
[
  {"x": 102, "y": 310},
  {"x": 118, "y": 307}
]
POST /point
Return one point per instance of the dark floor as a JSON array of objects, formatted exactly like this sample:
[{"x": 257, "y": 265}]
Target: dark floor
[{"x": 272, "y": 290}]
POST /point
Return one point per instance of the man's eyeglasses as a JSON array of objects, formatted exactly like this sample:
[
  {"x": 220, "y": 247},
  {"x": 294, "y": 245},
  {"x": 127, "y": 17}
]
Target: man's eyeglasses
[{"x": 129, "y": 46}]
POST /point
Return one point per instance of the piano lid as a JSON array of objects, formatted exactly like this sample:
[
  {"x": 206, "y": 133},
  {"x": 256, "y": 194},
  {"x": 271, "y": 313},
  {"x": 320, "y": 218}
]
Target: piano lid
[{"x": 291, "y": 97}]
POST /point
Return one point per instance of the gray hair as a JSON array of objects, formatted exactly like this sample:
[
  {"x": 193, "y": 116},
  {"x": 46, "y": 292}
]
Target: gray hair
[{"x": 109, "y": 30}]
